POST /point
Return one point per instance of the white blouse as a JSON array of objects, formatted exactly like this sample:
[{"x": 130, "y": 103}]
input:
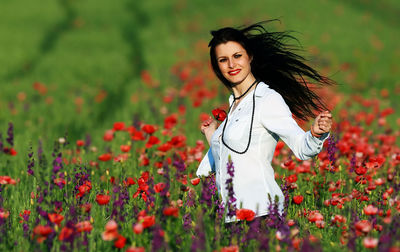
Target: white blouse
[{"x": 253, "y": 174}]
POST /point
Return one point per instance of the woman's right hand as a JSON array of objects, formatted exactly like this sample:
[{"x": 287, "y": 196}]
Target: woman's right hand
[{"x": 208, "y": 127}]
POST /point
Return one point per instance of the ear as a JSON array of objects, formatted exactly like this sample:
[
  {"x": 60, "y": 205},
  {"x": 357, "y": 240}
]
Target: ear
[{"x": 251, "y": 58}]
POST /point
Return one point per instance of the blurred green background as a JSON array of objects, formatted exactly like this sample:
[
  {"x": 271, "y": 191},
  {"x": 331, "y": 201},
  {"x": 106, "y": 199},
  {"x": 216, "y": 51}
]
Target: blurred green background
[{"x": 89, "y": 55}]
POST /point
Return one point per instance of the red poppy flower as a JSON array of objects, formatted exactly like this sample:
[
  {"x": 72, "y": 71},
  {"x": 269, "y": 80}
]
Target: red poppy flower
[
  {"x": 120, "y": 242},
  {"x": 102, "y": 199},
  {"x": 298, "y": 199},
  {"x": 153, "y": 140},
  {"x": 137, "y": 136},
  {"x": 171, "y": 211},
  {"x": 219, "y": 114},
  {"x": 125, "y": 148},
  {"x": 86, "y": 207},
  {"x": 65, "y": 233},
  {"x": 111, "y": 231},
  {"x": 108, "y": 135},
  {"x": 292, "y": 178},
  {"x": 119, "y": 126},
  {"x": 361, "y": 170},
  {"x": 159, "y": 187},
  {"x": 370, "y": 242},
  {"x": 4, "y": 180},
  {"x": 138, "y": 228},
  {"x": 195, "y": 181},
  {"x": 314, "y": 216},
  {"x": 149, "y": 129},
  {"x": 245, "y": 214},
  {"x": 4, "y": 214},
  {"x": 170, "y": 121},
  {"x": 12, "y": 152},
  {"x": 232, "y": 248},
  {"x": 135, "y": 249},
  {"x": 363, "y": 226},
  {"x": 105, "y": 157},
  {"x": 148, "y": 221},
  {"x": 129, "y": 181},
  {"x": 55, "y": 218},
  {"x": 370, "y": 210},
  {"x": 83, "y": 226},
  {"x": 80, "y": 143},
  {"x": 59, "y": 181},
  {"x": 178, "y": 141},
  {"x": 164, "y": 147},
  {"x": 86, "y": 187},
  {"x": 41, "y": 232}
]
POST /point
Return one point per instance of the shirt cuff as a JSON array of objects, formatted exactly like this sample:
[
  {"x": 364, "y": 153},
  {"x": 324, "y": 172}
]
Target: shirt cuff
[{"x": 316, "y": 143}]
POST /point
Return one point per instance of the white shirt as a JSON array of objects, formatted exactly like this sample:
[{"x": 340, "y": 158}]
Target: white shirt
[{"x": 253, "y": 174}]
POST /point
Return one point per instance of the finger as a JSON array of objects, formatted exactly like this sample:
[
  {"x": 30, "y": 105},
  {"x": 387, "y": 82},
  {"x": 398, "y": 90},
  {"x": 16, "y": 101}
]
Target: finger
[
  {"x": 329, "y": 115},
  {"x": 326, "y": 120}
]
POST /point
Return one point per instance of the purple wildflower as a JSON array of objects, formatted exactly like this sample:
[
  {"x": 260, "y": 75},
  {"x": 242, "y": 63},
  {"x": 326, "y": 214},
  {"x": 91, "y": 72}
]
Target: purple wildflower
[
  {"x": 353, "y": 163},
  {"x": 332, "y": 149},
  {"x": 31, "y": 162},
  {"x": 254, "y": 230},
  {"x": 231, "y": 204},
  {"x": 206, "y": 193},
  {"x": 10, "y": 134},
  {"x": 1, "y": 142},
  {"x": 187, "y": 221},
  {"x": 158, "y": 238},
  {"x": 164, "y": 192},
  {"x": 220, "y": 209},
  {"x": 25, "y": 227},
  {"x": 88, "y": 141},
  {"x": 190, "y": 201},
  {"x": 199, "y": 239},
  {"x": 179, "y": 164}
]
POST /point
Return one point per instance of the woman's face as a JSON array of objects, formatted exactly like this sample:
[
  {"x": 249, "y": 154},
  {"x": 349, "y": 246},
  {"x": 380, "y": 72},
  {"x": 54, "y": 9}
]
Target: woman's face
[{"x": 233, "y": 61}]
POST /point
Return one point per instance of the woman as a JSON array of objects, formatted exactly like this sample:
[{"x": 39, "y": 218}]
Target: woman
[{"x": 267, "y": 85}]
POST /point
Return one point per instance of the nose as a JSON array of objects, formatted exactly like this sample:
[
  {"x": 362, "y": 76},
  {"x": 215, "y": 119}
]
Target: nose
[{"x": 231, "y": 63}]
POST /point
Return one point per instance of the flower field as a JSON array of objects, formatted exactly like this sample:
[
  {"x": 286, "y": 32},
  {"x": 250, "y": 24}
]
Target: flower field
[{"x": 100, "y": 139}]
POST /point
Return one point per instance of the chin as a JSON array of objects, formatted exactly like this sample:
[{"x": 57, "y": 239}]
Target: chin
[{"x": 234, "y": 81}]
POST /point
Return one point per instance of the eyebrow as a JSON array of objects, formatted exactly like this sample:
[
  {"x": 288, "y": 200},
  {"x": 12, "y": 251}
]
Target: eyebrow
[{"x": 232, "y": 54}]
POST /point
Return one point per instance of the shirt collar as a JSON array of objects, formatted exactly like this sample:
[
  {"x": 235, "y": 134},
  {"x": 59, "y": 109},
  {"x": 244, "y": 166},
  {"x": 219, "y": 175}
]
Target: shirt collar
[{"x": 261, "y": 89}]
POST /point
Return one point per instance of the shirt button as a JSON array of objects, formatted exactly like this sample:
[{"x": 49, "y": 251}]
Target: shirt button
[
  {"x": 239, "y": 108},
  {"x": 237, "y": 120}
]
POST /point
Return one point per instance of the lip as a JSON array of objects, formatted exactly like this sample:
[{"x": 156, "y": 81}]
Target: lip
[{"x": 234, "y": 72}]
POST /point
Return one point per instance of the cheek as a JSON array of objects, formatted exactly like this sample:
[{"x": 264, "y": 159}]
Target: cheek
[{"x": 221, "y": 67}]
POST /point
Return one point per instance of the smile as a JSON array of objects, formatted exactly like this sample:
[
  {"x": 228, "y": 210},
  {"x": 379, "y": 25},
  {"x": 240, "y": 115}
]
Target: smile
[{"x": 234, "y": 72}]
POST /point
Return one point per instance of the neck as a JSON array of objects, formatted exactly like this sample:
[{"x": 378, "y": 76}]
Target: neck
[{"x": 242, "y": 87}]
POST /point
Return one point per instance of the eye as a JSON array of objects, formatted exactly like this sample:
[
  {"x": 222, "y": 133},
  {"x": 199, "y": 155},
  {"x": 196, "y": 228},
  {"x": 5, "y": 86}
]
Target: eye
[
  {"x": 237, "y": 56},
  {"x": 222, "y": 60}
]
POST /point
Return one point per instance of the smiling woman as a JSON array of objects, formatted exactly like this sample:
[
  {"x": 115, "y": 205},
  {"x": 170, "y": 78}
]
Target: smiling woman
[
  {"x": 234, "y": 62},
  {"x": 267, "y": 83}
]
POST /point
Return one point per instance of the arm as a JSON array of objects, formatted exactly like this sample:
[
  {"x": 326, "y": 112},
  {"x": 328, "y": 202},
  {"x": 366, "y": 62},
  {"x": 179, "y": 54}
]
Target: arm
[
  {"x": 207, "y": 164},
  {"x": 275, "y": 116}
]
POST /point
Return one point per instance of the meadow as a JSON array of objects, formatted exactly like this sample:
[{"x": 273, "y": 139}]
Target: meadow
[{"x": 100, "y": 108}]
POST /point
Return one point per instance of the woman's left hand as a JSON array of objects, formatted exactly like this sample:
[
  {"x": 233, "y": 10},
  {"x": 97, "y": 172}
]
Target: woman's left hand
[{"x": 322, "y": 124}]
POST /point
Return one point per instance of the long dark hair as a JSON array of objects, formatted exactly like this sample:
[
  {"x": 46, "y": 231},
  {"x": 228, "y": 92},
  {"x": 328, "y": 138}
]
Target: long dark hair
[{"x": 276, "y": 63}]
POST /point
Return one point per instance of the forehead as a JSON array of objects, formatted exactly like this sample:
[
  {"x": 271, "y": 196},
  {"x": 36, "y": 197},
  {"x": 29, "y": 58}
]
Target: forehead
[{"x": 228, "y": 48}]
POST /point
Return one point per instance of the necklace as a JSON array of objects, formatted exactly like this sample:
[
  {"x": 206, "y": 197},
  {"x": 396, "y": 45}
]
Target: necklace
[
  {"x": 251, "y": 123},
  {"x": 240, "y": 96}
]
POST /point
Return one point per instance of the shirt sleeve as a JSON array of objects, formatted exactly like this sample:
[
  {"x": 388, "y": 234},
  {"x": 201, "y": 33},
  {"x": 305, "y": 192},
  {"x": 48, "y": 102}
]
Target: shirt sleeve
[
  {"x": 207, "y": 165},
  {"x": 276, "y": 117}
]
